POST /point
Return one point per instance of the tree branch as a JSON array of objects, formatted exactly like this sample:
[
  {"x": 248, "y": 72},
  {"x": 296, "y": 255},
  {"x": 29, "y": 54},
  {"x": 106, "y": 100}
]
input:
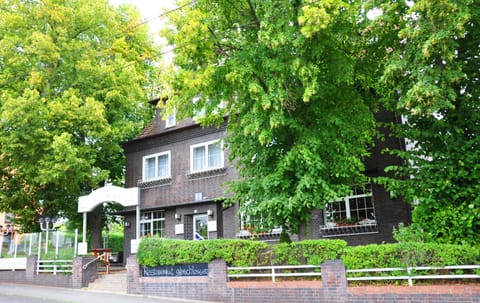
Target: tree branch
[{"x": 252, "y": 12}]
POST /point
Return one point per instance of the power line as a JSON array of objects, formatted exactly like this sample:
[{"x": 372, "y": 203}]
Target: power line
[{"x": 164, "y": 14}]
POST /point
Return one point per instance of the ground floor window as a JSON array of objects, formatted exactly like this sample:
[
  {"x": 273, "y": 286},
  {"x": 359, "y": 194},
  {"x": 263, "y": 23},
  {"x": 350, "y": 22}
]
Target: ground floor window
[
  {"x": 251, "y": 225},
  {"x": 353, "y": 214},
  {"x": 357, "y": 208},
  {"x": 152, "y": 223}
]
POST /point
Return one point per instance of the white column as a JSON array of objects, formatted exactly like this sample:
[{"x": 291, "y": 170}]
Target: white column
[
  {"x": 84, "y": 234},
  {"x": 138, "y": 222}
]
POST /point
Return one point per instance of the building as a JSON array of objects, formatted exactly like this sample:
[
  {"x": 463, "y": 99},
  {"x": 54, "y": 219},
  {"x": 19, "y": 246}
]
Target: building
[{"x": 181, "y": 167}]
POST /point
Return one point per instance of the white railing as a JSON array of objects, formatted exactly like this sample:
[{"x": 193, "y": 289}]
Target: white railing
[
  {"x": 411, "y": 273},
  {"x": 13, "y": 264},
  {"x": 414, "y": 273},
  {"x": 275, "y": 271},
  {"x": 54, "y": 266}
]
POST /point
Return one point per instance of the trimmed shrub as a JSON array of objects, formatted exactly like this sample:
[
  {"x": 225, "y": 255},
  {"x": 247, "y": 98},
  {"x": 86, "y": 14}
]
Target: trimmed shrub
[
  {"x": 115, "y": 242},
  {"x": 312, "y": 252},
  {"x": 409, "y": 254},
  {"x": 155, "y": 251}
]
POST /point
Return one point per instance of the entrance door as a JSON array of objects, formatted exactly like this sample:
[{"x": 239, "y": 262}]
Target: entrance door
[{"x": 200, "y": 227}]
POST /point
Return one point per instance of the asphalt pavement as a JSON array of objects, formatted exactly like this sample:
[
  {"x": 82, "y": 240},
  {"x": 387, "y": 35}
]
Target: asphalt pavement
[{"x": 23, "y": 293}]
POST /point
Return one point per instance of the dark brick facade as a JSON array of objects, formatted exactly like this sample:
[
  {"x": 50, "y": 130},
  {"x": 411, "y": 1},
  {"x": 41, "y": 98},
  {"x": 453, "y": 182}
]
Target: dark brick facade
[
  {"x": 332, "y": 288},
  {"x": 176, "y": 195}
]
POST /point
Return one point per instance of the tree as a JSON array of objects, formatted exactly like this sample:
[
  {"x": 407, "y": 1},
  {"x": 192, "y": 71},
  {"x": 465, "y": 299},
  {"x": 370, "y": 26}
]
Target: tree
[
  {"x": 294, "y": 79},
  {"x": 74, "y": 75},
  {"x": 432, "y": 80}
]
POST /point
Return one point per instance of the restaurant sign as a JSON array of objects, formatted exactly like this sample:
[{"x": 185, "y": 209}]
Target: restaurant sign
[{"x": 180, "y": 270}]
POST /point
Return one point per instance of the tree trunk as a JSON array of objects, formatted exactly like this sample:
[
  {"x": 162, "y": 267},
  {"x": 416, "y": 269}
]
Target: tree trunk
[{"x": 95, "y": 224}]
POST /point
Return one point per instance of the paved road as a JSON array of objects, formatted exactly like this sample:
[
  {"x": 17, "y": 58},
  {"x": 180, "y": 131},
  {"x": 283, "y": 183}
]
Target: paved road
[{"x": 21, "y": 293}]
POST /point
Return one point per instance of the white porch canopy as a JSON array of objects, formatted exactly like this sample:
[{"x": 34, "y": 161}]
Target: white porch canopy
[{"x": 110, "y": 193}]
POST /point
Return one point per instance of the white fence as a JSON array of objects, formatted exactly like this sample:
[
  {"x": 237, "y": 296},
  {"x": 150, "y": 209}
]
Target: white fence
[
  {"x": 54, "y": 266},
  {"x": 13, "y": 264},
  {"x": 373, "y": 274},
  {"x": 275, "y": 271},
  {"x": 414, "y": 273},
  {"x": 55, "y": 251}
]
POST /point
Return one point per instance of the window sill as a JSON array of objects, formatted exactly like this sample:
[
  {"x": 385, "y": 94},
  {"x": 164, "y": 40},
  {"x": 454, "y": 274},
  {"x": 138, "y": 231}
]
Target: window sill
[
  {"x": 347, "y": 230},
  {"x": 207, "y": 173},
  {"x": 154, "y": 183}
]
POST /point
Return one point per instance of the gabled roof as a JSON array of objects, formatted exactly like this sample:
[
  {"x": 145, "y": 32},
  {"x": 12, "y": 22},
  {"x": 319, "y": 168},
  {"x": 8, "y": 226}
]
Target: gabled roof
[{"x": 147, "y": 131}]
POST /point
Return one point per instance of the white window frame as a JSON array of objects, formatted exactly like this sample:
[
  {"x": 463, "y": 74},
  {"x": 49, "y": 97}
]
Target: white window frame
[
  {"x": 156, "y": 156},
  {"x": 206, "y": 166},
  {"x": 251, "y": 224},
  {"x": 195, "y": 231},
  {"x": 247, "y": 222},
  {"x": 170, "y": 119},
  {"x": 148, "y": 218},
  {"x": 369, "y": 219}
]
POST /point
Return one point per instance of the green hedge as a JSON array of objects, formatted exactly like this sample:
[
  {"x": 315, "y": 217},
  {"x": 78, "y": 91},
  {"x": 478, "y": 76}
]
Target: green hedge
[
  {"x": 115, "y": 242},
  {"x": 156, "y": 251},
  {"x": 312, "y": 252},
  {"x": 409, "y": 254}
]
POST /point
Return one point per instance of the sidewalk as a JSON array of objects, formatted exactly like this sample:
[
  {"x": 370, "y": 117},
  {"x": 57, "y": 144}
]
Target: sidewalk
[{"x": 28, "y": 293}]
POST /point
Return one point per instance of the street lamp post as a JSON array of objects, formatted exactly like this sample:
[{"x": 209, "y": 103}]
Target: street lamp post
[{"x": 46, "y": 224}]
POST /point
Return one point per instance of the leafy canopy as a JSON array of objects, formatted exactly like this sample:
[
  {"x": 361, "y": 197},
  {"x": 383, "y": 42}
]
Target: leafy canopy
[
  {"x": 293, "y": 78},
  {"x": 73, "y": 74},
  {"x": 432, "y": 80}
]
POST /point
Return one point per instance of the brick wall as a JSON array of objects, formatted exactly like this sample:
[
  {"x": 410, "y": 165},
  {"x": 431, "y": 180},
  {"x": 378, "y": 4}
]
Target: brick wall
[
  {"x": 332, "y": 288},
  {"x": 427, "y": 294}
]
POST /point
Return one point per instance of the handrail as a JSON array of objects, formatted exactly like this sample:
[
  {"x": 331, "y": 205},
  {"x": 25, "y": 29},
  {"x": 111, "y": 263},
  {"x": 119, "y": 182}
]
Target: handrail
[{"x": 100, "y": 256}]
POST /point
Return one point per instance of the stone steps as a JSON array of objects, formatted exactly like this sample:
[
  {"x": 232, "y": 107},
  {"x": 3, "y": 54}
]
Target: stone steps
[{"x": 115, "y": 282}]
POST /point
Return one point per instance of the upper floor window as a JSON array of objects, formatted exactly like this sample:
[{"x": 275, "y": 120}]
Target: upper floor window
[
  {"x": 152, "y": 223},
  {"x": 156, "y": 166},
  {"x": 206, "y": 156},
  {"x": 357, "y": 209},
  {"x": 170, "y": 119}
]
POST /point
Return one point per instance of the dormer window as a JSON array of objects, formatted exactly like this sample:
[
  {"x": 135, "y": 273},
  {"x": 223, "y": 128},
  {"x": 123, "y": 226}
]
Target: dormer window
[{"x": 170, "y": 119}]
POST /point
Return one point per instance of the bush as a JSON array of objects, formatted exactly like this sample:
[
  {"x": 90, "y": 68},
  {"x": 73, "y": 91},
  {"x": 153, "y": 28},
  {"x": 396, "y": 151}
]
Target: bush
[
  {"x": 409, "y": 254},
  {"x": 115, "y": 242},
  {"x": 411, "y": 233},
  {"x": 312, "y": 252},
  {"x": 155, "y": 251}
]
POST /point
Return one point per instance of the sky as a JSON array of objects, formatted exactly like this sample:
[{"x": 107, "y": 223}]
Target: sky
[{"x": 151, "y": 10}]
